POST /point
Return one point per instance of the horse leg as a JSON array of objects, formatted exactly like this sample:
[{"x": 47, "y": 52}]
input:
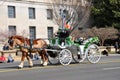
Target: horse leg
[
  {"x": 45, "y": 56},
  {"x": 22, "y": 60},
  {"x": 41, "y": 61},
  {"x": 29, "y": 60}
]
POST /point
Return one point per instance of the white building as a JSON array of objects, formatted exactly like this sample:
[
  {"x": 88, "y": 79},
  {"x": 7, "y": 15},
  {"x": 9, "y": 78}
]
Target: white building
[{"x": 30, "y": 18}]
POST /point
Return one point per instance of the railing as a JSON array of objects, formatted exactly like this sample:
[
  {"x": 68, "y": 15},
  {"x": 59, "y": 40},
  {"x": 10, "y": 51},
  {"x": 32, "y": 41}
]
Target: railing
[{"x": 6, "y": 52}]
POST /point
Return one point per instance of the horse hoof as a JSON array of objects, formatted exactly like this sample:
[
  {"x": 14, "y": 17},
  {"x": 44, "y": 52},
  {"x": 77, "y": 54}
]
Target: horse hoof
[
  {"x": 41, "y": 62},
  {"x": 45, "y": 64},
  {"x": 19, "y": 67}
]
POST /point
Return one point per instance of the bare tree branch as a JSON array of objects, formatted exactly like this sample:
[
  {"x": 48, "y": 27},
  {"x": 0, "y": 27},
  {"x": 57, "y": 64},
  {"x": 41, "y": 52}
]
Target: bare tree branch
[{"x": 76, "y": 13}]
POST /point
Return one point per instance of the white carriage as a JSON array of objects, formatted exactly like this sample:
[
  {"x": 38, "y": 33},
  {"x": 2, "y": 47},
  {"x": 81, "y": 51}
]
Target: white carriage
[{"x": 64, "y": 50}]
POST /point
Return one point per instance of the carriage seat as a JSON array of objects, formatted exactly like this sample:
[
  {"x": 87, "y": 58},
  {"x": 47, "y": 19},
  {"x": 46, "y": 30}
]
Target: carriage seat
[{"x": 57, "y": 41}]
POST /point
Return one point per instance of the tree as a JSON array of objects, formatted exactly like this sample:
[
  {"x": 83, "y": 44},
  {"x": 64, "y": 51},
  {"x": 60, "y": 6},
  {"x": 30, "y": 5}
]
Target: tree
[
  {"x": 72, "y": 13},
  {"x": 102, "y": 33},
  {"x": 106, "y": 13},
  {"x": 105, "y": 33},
  {"x": 3, "y": 36},
  {"x": 24, "y": 34}
]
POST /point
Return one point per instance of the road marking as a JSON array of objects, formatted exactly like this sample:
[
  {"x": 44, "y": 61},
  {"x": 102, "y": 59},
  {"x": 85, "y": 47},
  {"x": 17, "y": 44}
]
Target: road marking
[
  {"x": 83, "y": 63},
  {"x": 105, "y": 62},
  {"x": 112, "y": 68},
  {"x": 23, "y": 69},
  {"x": 10, "y": 70}
]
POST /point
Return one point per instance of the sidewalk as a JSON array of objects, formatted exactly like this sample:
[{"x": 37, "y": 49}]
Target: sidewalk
[
  {"x": 17, "y": 58},
  {"x": 115, "y": 54}
]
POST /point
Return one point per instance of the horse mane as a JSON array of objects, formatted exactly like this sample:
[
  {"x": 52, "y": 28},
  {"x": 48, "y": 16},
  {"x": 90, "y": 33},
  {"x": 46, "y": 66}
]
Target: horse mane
[{"x": 23, "y": 39}]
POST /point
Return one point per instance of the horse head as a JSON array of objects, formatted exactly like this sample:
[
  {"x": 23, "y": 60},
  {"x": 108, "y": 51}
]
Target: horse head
[
  {"x": 11, "y": 42},
  {"x": 15, "y": 41}
]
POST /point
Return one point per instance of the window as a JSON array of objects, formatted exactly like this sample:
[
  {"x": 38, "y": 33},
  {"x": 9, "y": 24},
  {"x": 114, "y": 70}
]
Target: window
[
  {"x": 67, "y": 0},
  {"x": 11, "y": 11},
  {"x": 12, "y": 30},
  {"x": 31, "y": 13},
  {"x": 32, "y": 30},
  {"x": 49, "y": 14},
  {"x": 79, "y": 0},
  {"x": 50, "y": 32}
]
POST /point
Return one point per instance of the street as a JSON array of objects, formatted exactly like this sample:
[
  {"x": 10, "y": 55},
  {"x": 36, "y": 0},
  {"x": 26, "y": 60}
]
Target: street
[{"x": 107, "y": 69}]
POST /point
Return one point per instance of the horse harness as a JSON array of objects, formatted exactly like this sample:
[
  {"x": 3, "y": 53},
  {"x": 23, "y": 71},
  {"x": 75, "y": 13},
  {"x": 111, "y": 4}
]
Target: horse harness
[{"x": 28, "y": 44}]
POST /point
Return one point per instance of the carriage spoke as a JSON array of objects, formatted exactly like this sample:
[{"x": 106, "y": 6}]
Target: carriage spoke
[
  {"x": 65, "y": 57},
  {"x": 94, "y": 54}
]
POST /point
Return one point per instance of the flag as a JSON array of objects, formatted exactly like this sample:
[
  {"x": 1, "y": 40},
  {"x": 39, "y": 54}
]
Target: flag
[{"x": 67, "y": 24}]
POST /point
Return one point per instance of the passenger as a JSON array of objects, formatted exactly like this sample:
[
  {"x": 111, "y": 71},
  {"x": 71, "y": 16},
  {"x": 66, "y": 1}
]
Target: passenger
[
  {"x": 2, "y": 58},
  {"x": 79, "y": 40},
  {"x": 116, "y": 46},
  {"x": 5, "y": 47},
  {"x": 10, "y": 59},
  {"x": 36, "y": 56}
]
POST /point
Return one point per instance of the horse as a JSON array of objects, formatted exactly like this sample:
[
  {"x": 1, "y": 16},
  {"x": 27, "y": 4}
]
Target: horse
[{"x": 38, "y": 46}]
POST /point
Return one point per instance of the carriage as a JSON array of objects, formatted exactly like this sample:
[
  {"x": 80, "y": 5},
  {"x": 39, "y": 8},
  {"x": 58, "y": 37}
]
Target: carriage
[
  {"x": 64, "y": 50},
  {"x": 61, "y": 48}
]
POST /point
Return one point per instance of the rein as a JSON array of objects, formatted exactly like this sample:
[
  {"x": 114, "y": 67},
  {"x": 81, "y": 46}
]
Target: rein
[{"x": 26, "y": 43}]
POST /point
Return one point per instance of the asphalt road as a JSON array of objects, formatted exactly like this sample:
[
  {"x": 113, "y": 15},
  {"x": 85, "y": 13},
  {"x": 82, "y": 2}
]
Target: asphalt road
[{"x": 107, "y": 69}]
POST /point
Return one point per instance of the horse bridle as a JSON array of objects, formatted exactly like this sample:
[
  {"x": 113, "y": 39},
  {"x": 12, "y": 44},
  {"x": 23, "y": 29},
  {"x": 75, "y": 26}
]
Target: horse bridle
[{"x": 10, "y": 41}]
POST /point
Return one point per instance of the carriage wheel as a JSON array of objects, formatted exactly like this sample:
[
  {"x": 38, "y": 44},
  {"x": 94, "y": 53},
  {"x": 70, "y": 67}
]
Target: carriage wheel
[
  {"x": 53, "y": 58},
  {"x": 93, "y": 53},
  {"x": 65, "y": 57},
  {"x": 79, "y": 58}
]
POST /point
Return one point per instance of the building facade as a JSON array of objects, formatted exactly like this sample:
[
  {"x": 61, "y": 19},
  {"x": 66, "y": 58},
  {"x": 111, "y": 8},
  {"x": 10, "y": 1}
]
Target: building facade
[{"x": 29, "y": 18}]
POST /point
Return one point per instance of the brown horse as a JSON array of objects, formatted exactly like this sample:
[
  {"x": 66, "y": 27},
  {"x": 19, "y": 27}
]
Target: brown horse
[{"x": 38, "y": 46}]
